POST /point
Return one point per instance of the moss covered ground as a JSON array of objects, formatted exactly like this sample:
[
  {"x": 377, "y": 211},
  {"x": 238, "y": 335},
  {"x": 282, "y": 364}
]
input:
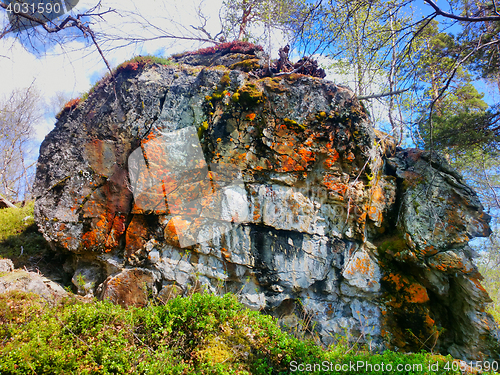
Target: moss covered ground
[{"x": 199, "y": 334}]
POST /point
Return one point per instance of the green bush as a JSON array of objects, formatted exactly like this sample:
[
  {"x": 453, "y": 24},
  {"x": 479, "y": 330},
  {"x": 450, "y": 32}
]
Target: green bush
[{"x": 200, "y": 334}]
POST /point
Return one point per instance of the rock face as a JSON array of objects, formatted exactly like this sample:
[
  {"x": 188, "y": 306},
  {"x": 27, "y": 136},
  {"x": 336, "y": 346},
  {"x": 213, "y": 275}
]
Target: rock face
[{"x": 276, "y": 189}]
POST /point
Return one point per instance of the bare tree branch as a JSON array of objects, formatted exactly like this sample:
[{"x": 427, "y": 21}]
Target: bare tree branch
[
  {"x": 497, "y": 201},
  {"x": 440, "y": 12}
]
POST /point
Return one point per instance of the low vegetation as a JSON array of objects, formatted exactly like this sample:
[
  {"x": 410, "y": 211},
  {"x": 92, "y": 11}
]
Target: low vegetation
[
  {"x": 199, "y": 334},
  {"x": 19, "y": 236},
  {"x": 489, "y": 266}
]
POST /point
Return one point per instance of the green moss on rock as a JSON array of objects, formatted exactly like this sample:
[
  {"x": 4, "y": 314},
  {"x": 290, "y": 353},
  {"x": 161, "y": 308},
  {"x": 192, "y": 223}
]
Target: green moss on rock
[
  {"x": 246, "y": 65},
  {"x": 249, "y": 95}
]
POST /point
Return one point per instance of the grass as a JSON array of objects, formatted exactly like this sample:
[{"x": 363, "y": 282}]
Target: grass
[
  {"x": 19, "y": 236},
  {"x": 12, "y": 220}
]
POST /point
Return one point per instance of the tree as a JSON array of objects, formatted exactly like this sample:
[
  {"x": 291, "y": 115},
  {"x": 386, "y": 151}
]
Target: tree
[
  {"x": 366, "y": 41},
  {"x": 480, "y": 24},
  {"x": 382, "y": 39},
  {"x": 243, "y": 18},
  {"x": 459, "y": 124},
  {"x": 19, "y": 112},
  {"x": 453, "y": 114}
]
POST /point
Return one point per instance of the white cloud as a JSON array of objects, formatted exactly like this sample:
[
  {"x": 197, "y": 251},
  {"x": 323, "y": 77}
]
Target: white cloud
[{"x": 69, "y": 68}]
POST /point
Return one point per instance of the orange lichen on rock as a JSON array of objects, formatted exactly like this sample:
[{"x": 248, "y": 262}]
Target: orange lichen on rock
[
  {"x": 450, "y": 262},
  {"x": 333, "y": 184},
  {"x": 104, "y": 232},
  {"x": 96, "y": 236},
  {"x": 429, "y": 251},
  {"x": 408, "y": 317},
  {"x": 332, "y": 159},
  {"x": 374, "y": 213},
  {"x": 287, "y": 164},
  {"x": 151, "y": 201},
  {"x": 136, "y": 235},
  {"x": 429, "y": 322},
  {"x": 306, "y": 155},
  {"x": 411, "y": 292},
  {"x": 174, "y": 227},
  {"x": 350, "y": 157},
  {"x": 363, "y": 266},
  {"x": 478, "y": 285},
  {"x": 417, "y": 293}
]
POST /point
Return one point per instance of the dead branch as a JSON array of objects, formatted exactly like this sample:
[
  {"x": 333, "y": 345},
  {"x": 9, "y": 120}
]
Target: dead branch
[
  {"x": 8, "y": 203},
  {"x": 375, "y": 96}
]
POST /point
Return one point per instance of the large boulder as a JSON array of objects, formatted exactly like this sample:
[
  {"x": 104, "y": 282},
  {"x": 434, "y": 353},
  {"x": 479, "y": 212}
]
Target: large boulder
[
  {"x": 17, "y": 280},
  {"x": 203, "y": 176}
]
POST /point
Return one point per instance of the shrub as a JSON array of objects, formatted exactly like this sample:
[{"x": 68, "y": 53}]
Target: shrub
[
  {"x": 201, "y": 334},
  {"x": 236, "y": 46},
  {"x": 140, "y": 62}
]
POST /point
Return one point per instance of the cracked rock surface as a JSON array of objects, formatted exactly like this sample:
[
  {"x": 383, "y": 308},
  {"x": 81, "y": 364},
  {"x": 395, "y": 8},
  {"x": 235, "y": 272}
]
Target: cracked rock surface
[{"x": 277, "y": 189}]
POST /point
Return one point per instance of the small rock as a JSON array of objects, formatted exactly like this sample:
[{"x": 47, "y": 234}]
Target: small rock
[
  {"x": 169, "y": 292},
  {"x": 6, "y": 265},
  {"x": 131, "y": 287}
]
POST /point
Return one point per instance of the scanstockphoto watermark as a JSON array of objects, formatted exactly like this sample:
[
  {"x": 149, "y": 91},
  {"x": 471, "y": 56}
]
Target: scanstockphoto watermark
[
  {"x": 354, "y": 366},
  {"x": 26, "y": 14},
  {"x": 363, "y": 367}
]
